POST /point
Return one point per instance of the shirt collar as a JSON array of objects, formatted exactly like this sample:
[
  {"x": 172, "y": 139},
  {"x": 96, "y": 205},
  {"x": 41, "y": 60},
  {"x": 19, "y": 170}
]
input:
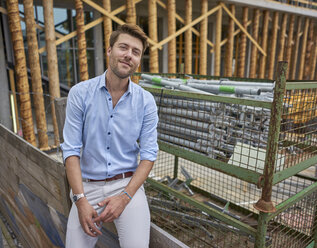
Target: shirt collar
[{"x": 102, "y": 83}]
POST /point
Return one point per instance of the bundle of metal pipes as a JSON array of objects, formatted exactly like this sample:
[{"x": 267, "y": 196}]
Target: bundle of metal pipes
[
  {"x": 260, "y": 91},
  {"x": 211, "y": 128}
]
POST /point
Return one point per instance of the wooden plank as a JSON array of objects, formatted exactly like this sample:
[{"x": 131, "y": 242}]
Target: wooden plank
[
  {"x": 303, "y": 51},
  {"x": 255, "y": 33},
  {"x": 265, "y": 28},
  {"x": 271, "y": 64},
  {"x": 60, "y": 106},
  {"x": 296, "y": 47},
  {"x": 230, "y": 43},
  {"x": 203, "y": 39},
  {"x": 290, "y": 44},
  {"x": 243, "y": 44}
]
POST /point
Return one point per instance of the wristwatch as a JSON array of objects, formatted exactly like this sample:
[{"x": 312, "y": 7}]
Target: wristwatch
[{"x": 76, "y": 197}]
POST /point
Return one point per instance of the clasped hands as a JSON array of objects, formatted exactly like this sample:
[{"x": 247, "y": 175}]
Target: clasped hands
[{"x": 88, "y": 216}]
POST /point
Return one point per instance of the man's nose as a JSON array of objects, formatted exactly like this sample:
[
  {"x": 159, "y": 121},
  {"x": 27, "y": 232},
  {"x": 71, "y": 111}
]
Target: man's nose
[{"x": 128, "y": 53}]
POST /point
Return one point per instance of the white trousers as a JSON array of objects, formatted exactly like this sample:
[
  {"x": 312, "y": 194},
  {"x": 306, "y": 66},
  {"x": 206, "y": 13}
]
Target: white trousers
[{"x": 133, "y": 225}]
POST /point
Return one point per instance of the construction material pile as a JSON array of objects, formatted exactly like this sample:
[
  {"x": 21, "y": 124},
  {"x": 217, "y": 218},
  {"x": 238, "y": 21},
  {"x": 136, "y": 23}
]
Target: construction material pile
[
  {"x": 212, "y": 128},
  {"x": 252, "y": 90}
]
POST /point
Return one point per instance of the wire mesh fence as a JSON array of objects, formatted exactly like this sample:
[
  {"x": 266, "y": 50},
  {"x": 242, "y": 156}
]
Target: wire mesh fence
[{"x": 296, "y": 225}]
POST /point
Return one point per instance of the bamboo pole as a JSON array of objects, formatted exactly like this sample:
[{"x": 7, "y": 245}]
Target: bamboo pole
[
  {"x": 171, "y": 6},
  {"x": 280, "y": 55},
  {"x": 107, "y": 27},
  {"x": 217, "y": 43},
  {"x": 188, "y": 38},
  {"x": 203, "y": 39},
  {"x": 273, "y": 45},
  {"x": 265, "y": 27},
  {"x": 51, "y": 62},
  {"x": 230, "y": 43},
  {"x": 237, "y": 55},
  {"x": 12, "y": 86},
  {"x": 180, "y": 54},
  {"x": 296, "y": 46},
  {"x": 243, "y": 44},
  {"x": 152, "y": 8},
  {"x": 303, "y": 51},
  {"x": 313, "y": 59},
  {"x": 255, "y": 33},
  {"x": 290, "y": 43},
  {"x": 21, "y": 72},
  {"x": 81, "y": 41},
  {"x": 34, "y": 62},
  {"x": 131, "y": 13}
]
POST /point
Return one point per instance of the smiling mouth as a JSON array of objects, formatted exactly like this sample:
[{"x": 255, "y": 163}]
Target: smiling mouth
[{"x": 125, "y": 63}]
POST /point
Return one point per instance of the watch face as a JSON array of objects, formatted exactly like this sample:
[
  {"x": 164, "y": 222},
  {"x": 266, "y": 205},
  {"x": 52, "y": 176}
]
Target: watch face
[{"x": 75, "y": 198}]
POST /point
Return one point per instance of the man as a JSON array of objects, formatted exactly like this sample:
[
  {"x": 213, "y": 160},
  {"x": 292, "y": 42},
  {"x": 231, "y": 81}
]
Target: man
[{"x": 109, "y": 121}]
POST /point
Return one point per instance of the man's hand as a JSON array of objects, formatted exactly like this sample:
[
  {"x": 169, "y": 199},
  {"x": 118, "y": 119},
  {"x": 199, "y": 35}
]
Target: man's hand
[
  {"x": 114, "y": 207},
  {"x": 86, "y": 214}
]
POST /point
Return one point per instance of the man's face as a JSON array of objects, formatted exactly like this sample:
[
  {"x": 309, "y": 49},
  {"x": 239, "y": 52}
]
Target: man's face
[{"x": 125, "y": 55}]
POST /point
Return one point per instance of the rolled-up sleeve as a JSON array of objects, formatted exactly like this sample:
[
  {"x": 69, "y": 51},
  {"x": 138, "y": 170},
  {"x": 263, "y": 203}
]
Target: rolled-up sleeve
[
  {"x": 73, "y": 126},
  {"x": 148, "y": 135}
]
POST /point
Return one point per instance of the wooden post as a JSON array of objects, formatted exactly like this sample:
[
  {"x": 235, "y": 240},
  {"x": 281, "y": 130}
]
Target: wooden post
[
  {"x": 230, "y": 43},
  {"x": 218, "y": 43},
  {"x": 203, "y": 39},
  {"x": 243, "y": 44},
  {"x": 265, "y": 27},
  {"x": 196, "y": 54},
  {"x": 280, "y": 55},
  {"x": 237, "y": 55},
  {"x": 290, "y": 43},
  {"x": 152, "y": 8},
  {"x": 131, "y": 13},
  {"x": 273, "y": 45},
  {"x": 107, "y": 27},
  {"x": 296, "y": 46},
  {"x": 188, "y": 38},
  {"x": 34, "y": 62},
  {"x": 255, "y": 34},
  {"x": 21, "y": 72},
  {"x": 171, "y": 6},
  {"x": 81, "y": 41},
  {"x": 52, "y": 61},
  {"x": 303, "y": 51}
]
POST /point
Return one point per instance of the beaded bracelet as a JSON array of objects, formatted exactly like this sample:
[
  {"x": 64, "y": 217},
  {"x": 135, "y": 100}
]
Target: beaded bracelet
[{"x": 127, "y": 194}]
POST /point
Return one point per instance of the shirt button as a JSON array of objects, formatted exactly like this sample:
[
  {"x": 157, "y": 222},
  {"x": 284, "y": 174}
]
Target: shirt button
[
  {"x": 109, "y": 99},
  {"x": 111, "y": 116},
  {"x": 108, "y": 133},
  {"x": 109, "y": 163},
  {"x": 108, "y": 148}
]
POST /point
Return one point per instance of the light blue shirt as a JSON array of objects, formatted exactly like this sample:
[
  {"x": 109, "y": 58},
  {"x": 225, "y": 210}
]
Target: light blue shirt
[{"x": 108, "y": 140}]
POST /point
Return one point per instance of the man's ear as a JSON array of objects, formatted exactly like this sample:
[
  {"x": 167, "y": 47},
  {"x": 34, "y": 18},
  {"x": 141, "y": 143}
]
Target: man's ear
[{"x": 108, "y": 50}]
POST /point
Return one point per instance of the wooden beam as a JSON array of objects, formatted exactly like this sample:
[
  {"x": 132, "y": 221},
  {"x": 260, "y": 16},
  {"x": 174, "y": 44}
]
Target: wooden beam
[
  {"x": 152, "y": 10},
  {"x": 131, "y": 13},
  {"x": 183, "y": 29},
  {"x": 313, "y": 59},
  {"x": 107, "y": 28},
  {"x": 280, "y": 55},
  {"x": 243, "y": 44},
  {"x": 242, "y": 28},
  {"x": 188, "y": 39},
  {"x": 113, "y": 17},
  {"x": 171, "y": 9}
]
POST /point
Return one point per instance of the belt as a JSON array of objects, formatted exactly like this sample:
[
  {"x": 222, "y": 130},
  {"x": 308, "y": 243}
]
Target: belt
[{"x": 116, "y": 177}]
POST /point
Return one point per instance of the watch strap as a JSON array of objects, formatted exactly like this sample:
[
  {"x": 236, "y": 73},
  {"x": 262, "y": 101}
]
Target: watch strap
[{"x": 76, "y": 197}]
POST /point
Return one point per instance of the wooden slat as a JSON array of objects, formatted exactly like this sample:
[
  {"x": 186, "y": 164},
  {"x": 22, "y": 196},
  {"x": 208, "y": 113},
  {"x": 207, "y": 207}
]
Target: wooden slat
[
  {"x": 280, "y": 55},
  {"x": 183, "y": 29},
  {"x": 171, "y": 8},
  {"x": 313, "y": 60},
  {"x": 152, "y": 9},
  {"x": 242, "y": 28},
  {"x": 60, "y": 106},
  {"x": 188, "y": 39},
  {"x": 107, "y": 28}
]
